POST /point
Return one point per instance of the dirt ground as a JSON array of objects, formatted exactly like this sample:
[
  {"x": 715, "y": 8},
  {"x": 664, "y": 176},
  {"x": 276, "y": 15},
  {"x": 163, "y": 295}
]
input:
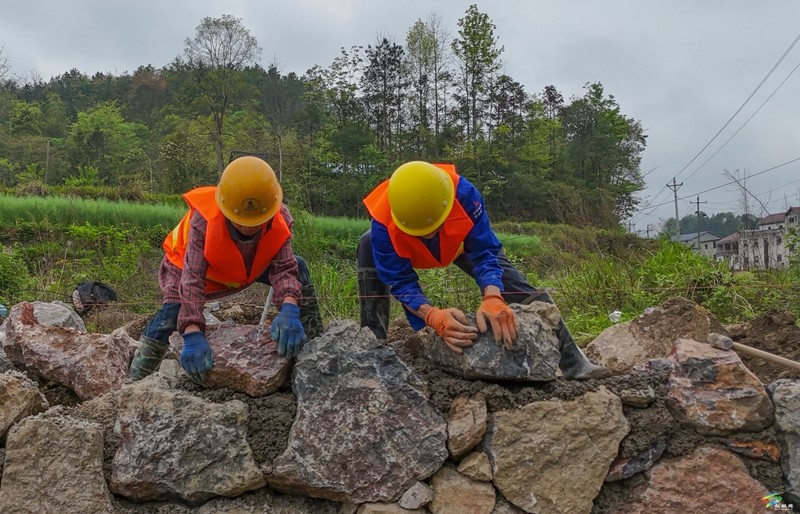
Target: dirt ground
[{"x": 271, "y": 417}]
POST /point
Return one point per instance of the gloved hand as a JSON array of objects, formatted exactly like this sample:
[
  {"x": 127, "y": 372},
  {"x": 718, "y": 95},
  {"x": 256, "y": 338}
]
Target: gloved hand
[
  {"x": 500, "y": 316},
  {"x": 196, "y": 356},
  {"x": 452, "y": 326},
  {"x": 288, "y": 331}
]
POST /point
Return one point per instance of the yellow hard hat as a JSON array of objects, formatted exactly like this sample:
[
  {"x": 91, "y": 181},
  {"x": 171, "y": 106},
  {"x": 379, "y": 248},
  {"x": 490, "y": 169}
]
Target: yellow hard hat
[
  {"x": 248, "y": 192},
  {"x": 420, "y": 197}
]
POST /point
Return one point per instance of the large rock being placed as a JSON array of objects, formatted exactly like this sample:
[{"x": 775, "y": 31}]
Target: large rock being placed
[
  {"x": 54, "y": 464},
  {"x": 534, "y": 356},
  {"x": 553, "y": 456},
  {"x": 176, "y": 445},
  {"x": 364, "y": 432},
  {"x": 89, "y": 364},
  {"x": 650, "y": 336},
  {"x": 714, "y": 393},
  {"x": 245, "y": 359}
]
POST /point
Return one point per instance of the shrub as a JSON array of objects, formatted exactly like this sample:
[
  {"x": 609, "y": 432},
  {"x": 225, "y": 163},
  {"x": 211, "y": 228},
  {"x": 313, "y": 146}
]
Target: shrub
[{"x": 14, "y": 276}]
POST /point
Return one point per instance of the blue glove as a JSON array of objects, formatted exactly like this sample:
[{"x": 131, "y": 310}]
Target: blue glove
[
  {"x": 196, "y": 356},
  {"x": 288, "y": 331}
]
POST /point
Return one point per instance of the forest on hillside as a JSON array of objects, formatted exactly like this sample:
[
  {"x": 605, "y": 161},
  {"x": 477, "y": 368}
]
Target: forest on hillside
[{"x": 331, "y": 133}]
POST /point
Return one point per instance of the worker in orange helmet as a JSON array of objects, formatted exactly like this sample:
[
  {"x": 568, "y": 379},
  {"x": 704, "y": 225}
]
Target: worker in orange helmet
[
  {"x": 427, "y": 216},
  {"x": 233, "y": 235}
]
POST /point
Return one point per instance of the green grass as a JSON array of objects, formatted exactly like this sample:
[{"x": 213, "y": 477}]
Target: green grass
[
  {"x": 51, "y": 244},
  {"x": 60, "y": 211}
]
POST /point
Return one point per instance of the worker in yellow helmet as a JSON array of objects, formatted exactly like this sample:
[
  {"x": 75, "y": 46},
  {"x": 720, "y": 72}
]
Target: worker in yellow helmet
[
  {"x": 427, "y": 216},
  {"x": 233, "y": 235}
]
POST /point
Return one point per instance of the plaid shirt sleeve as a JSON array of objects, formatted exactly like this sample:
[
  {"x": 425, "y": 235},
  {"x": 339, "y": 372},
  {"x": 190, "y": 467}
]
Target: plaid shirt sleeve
[
  {"x": 283, "y": 271},
  {"x": 192, "y": 284}
]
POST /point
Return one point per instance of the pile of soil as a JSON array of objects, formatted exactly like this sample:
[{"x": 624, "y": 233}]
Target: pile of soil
[{"x": 776, "y": 333}]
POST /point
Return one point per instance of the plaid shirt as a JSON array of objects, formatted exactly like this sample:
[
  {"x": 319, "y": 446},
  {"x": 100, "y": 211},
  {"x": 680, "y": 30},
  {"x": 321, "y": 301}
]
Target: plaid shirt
[{"x": 187, "y": 286}]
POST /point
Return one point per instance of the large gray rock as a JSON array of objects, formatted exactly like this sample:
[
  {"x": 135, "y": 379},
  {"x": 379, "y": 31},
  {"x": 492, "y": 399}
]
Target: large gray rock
[
  {"x": 58, "y": 314},
  {"x": 786, "y": 396},
  {"x": 364, "y": 432},
  {"x": 534, "y": 356},
  {"x": 176, "y": 445},
  {"x": 54, "y": 464}
]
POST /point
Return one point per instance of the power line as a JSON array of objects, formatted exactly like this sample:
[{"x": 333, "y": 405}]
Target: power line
[
  {"x": 729, "y": 183},
  {"x": 745, "y": 122},
  {"x": 771, "y": 71},
  {"x": 650, "y": 204}
]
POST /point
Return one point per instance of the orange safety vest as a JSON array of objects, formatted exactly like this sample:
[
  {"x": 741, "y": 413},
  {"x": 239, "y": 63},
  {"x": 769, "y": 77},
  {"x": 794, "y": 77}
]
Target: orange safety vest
[
  {"x": 226, "y": 267},
  {"x": 451, "y": 236}
]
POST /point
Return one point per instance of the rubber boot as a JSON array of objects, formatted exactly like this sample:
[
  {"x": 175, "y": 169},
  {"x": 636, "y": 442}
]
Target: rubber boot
[
  {"x": 373, "y": 296},
  {"x": 310, "y": 316},
  {"x": 573, "y": 363},
  {"x": 147, "y": 359}
]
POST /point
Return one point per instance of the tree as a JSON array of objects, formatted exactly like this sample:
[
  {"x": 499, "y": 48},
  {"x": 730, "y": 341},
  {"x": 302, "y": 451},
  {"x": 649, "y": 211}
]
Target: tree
[
  {"x": 5, "y": 67},
  {"x": 382, "y": 84},
  {"x": 604, "y": 148},
  {"x": 428, "y": 61},
  {"x": 147, "y": 94},
  {"x": 510, "y": 106},
  {"x": 281, "y": 101},
  {"x": 220, "y": 50},
  {"x": 479, "y": 58},
  {"x": 103, "y": 139}
]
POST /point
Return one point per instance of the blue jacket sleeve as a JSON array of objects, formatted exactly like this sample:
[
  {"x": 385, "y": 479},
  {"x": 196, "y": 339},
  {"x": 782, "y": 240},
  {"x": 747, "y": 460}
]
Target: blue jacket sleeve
[
  {"x": 481, "y": 245},
  {"x": 396, "y": 271}
]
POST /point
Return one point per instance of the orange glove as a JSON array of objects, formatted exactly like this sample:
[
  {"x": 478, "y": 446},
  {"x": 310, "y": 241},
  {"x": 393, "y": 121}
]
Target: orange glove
[
  {"x": 500, "y": 316},
  {"x": 452, "y": 326}
]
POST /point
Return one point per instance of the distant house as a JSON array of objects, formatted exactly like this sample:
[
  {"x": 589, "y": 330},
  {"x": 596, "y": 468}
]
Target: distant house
[
  {"x": 763, "y": 247},
  {"x": 704, "y": 243},
  {"x": 728, "y": 251}
]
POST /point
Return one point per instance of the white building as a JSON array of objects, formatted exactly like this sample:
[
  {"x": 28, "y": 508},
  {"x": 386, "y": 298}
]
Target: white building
[{"x": 765, "y": 246}]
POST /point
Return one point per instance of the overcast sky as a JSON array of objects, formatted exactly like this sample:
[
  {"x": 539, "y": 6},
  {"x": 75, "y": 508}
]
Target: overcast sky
[{"x": 682, "y": 67}]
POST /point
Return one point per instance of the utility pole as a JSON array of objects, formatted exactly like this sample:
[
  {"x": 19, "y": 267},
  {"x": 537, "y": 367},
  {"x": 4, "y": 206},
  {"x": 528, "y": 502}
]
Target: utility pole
[
  {"x": 648, "y": 229},
  {"x": 698, "y": 202},
  {"x": 674, "y": 188}
]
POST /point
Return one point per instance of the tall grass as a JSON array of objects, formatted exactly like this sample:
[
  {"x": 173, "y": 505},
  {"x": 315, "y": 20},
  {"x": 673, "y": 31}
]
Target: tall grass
[
  {"x": 51, "y": 244},
  {"x": 60, "y": 211}
]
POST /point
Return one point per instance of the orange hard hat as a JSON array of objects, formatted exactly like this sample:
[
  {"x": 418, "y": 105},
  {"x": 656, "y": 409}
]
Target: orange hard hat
[{"x": 248, "y": 192}]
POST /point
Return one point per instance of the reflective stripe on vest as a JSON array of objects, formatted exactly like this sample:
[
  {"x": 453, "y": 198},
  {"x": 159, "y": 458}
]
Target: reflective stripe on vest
[
  {"x": 226, "y": 267},
  {"x": 451, "y": 235}
]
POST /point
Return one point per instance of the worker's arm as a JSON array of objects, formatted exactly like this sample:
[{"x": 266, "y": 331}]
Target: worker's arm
[
  {"x": 192, "y": 285},
  {"x": 196, "y": 356},
  {"x": 397, "y": 272},
  {"x": 481, "y": 248},
  {"x": 283, "y": 270},
  {"x": 286, "y": 329}
]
